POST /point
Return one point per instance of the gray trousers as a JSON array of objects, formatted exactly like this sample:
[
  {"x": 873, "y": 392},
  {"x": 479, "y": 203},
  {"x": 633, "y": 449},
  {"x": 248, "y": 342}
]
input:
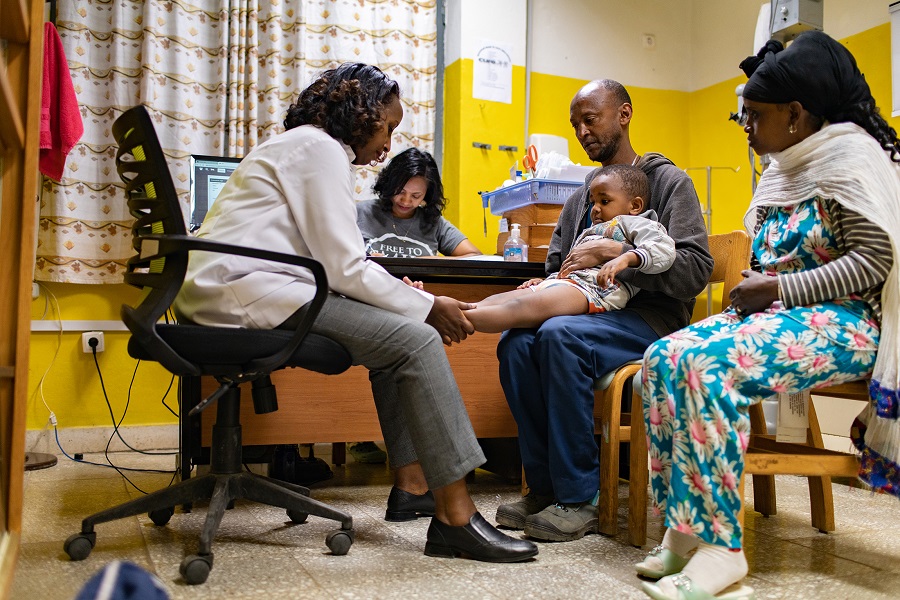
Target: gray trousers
[{"x": 419, "y": 406}]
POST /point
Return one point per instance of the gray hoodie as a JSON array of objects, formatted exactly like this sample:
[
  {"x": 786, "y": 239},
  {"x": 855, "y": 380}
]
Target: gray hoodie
[{"x": 666, "y": 300}]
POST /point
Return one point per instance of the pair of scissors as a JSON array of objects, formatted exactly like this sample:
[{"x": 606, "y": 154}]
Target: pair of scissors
[{"x": 530, "y": 159}]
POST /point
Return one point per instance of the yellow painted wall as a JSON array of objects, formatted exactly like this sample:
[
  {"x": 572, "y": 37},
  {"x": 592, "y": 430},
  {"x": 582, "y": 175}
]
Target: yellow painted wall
[
  {"x": 692, "y": 129},
  {"x": 549, "y": 110},
  {"x": 72, "y": 386},
  {"x": 467, "y": 170},
  {"x": 664, "y": 121},
  {"x": 872, "y": 49},
  {"x": 716, "y": 141},
  {"x": 660, "y": 125}
]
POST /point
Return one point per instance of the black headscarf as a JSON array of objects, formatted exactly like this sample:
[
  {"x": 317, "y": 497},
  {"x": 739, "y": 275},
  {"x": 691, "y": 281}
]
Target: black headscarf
[{"x": 815, "y": 70}]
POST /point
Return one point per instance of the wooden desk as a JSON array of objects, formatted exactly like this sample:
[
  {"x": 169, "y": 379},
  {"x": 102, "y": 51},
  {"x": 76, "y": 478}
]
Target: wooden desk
[{"x": 314, "y": 408}]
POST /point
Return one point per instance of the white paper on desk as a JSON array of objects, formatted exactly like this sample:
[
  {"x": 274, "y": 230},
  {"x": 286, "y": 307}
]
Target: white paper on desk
[
  {"x": 492, "y": 72},
  {"x": 793, "y": 417},
  {"x": 482, "y": 257}
]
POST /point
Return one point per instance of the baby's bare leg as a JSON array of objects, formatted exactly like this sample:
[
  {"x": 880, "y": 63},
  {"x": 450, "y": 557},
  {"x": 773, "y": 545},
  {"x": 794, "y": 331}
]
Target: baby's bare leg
[
  {"x": 504, "y": 297},
  {"x": 527, "y": 308}
]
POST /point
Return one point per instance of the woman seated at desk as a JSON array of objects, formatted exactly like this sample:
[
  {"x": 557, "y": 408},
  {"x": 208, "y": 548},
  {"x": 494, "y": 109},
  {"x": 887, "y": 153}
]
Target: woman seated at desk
[{"x": 406, "y": 221}]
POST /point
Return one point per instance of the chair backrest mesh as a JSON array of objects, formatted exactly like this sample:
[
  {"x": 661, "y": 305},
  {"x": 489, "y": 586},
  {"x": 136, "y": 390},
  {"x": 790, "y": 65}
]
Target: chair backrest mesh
[{"x": 157, "y": 268}]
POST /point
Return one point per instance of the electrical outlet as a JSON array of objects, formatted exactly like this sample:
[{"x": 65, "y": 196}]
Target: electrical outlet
[
  {"x": 35, "y": 290},
  {"x": 86, "y": 338}
]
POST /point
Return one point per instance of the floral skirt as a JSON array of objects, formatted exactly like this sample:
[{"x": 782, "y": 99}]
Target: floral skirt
[{"x": 698, "y": 384}]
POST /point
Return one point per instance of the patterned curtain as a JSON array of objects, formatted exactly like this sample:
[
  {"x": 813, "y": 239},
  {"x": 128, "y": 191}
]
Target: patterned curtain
[{"x": 217, "y": 77}]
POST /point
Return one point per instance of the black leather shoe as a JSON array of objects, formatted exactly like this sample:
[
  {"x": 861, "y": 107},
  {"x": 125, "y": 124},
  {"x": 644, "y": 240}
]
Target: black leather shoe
[
  {"x": 404, "y": 506},
  {"x": 478, "y": 540}
]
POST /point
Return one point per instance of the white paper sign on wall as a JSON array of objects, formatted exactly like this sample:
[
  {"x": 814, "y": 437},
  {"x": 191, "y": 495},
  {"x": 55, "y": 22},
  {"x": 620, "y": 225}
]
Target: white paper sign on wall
[{"x": 492, "y": 73}]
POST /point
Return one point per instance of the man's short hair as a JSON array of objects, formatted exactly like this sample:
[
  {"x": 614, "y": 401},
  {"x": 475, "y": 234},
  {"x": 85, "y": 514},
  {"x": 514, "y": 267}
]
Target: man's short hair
[
  {"x": 634, "y": 181},
  {"x": 617, "y": 91}
]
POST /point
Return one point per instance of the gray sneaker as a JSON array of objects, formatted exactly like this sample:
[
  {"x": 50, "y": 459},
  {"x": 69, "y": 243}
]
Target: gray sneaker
[
  {"x": 563, "y": 522},
  {"x": 513, "y": 515}
]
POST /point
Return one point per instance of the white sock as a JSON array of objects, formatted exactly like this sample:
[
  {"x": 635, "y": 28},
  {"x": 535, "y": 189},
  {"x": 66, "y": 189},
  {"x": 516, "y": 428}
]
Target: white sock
[
  {"x": 674, "y": 541},
  {"x": 712, "y": 568},
  {"x": 680, "y": 543}
]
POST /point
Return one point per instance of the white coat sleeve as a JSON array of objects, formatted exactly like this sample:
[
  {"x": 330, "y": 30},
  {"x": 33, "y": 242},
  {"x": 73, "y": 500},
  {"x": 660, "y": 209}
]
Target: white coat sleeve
[{"x": 318, "y": 191}]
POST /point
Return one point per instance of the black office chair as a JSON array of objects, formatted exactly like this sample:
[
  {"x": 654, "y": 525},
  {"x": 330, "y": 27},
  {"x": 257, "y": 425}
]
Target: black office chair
[{"x": 233, "y": 356}]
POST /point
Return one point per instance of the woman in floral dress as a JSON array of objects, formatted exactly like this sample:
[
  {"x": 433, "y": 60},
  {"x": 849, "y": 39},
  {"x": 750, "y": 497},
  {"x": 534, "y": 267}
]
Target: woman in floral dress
[{"x": 820, "y": 302}]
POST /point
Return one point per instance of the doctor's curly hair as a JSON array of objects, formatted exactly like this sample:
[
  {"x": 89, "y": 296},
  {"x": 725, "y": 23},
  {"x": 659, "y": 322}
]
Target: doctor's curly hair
[{"x": 347, "y": 102}]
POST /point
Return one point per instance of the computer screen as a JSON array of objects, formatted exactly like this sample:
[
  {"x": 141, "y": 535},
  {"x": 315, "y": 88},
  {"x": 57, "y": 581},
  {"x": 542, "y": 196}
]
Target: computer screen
[{"x": 208, "y": 177}]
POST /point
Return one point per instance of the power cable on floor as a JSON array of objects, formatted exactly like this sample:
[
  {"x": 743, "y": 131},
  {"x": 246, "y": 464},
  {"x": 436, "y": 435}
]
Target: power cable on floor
[{"x": 53, "y": 307}]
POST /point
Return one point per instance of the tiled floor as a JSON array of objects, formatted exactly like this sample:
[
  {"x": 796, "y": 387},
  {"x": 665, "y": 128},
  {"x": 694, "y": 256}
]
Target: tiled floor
[{"x": 260, "y": 554}]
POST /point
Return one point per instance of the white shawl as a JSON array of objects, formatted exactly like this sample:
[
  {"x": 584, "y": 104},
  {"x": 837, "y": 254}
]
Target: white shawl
[{"x": 844, "y": 163}]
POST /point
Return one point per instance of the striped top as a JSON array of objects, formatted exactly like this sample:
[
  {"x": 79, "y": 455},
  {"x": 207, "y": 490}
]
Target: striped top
[{"x": 862, "y": 267}]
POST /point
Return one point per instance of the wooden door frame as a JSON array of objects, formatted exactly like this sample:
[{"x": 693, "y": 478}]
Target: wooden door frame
[{"x": 20, "y": 113}]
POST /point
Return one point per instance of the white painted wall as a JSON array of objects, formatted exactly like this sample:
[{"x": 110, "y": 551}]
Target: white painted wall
[
  {"x": 722, "y": 32},
  {"x": 722, "y": 36},
  {"x": 844, "y": 18},
  {"x": 470, "y": 21},
  {"x": 592, "y": 39},
  {"x": 698, "y": 42}
]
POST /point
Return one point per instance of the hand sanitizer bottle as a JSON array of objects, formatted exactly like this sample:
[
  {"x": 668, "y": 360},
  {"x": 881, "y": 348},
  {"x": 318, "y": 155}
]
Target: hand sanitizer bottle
[{"x": 515, "y": 249}]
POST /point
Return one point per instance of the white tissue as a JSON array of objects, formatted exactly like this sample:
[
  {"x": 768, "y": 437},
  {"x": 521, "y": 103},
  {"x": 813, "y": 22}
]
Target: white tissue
[{"x": 549, "y": 163}]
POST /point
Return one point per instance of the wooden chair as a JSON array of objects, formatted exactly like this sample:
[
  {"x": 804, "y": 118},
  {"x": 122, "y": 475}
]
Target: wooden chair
[
  {"x": 731, "y": 252},
  {"x": 767, "y": 458}
]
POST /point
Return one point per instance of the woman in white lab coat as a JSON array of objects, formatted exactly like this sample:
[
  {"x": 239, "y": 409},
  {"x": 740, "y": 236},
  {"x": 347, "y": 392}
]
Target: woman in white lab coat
[{"x": 293, "y": 194}]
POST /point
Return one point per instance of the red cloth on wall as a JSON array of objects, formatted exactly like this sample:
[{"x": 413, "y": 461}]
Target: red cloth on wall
[{"x": 61, "y": 125}]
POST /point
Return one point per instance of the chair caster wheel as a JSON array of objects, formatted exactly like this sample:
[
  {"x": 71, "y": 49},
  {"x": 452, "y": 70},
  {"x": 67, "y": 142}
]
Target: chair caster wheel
[
  {"x": 195, "y": 569},
  {"x": 339, "y": 541},
  {"x": 161, "y": 516},
  {"x": 297, "y": 516},
  {"x": 78, "y": 546}
]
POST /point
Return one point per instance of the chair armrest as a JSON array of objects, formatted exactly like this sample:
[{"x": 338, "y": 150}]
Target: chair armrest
[{"x": 164, "y": 244}]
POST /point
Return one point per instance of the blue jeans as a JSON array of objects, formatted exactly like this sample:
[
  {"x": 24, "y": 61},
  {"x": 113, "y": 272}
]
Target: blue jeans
[{"x": 548, "y": 377}]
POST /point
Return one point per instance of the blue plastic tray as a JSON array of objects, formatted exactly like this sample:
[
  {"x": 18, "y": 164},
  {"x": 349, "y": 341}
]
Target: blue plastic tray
[{"x": 531, "y": 191}]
